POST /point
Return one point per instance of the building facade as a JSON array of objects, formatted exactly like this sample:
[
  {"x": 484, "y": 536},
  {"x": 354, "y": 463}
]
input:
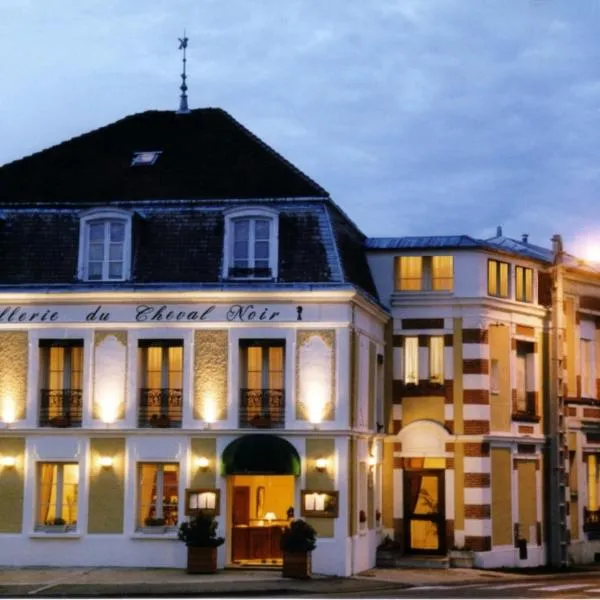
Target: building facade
[
  {"x": 187, "y": 323},
  {"x": 467, "y": 464}
]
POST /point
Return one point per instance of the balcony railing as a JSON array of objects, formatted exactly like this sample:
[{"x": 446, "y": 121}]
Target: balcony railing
[
  {"x": 160, "y": 408},
  {"x": 60, "y": 408},
  {"x": 262, "y": 408},
  {"x": 591, "y": 520}
]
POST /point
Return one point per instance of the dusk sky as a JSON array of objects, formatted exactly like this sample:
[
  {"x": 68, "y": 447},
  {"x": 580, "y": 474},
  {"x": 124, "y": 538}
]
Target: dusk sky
[{"x": 419, "y": 117}]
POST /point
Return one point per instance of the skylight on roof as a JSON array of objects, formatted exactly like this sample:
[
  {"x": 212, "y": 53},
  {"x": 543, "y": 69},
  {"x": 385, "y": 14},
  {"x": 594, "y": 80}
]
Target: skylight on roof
[{"x": 145, "y": 158}]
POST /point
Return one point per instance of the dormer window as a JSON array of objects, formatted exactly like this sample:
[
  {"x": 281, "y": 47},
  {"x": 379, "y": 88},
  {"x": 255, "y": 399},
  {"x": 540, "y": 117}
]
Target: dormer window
[
  {"x": 251, "y": 240},
  {"x": 105, "y": 246}
]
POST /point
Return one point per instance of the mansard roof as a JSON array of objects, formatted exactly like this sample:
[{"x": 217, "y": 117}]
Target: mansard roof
[{"x": 204, "y": 154}]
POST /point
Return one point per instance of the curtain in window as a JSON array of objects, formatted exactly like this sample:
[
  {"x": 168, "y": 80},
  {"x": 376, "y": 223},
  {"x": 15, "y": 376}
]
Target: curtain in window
[
  {"x": 442, "y": 268},
  {"x": 411, "y": 360},
  {"x": 592, "y": 482},
  {"x": 411, "y": 273},
  {"x": 148, "y": 491},
  {"x": 47, "y": 484},
  {"x": 436, "y": 359},
  {"x": 586, "y": 369},
  {"x": 522, "y": 382}
]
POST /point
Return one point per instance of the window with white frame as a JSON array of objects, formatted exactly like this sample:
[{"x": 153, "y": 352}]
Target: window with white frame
[
  {"x": 592, "y": 482},
  {"x": 587, "y": 382},
  {"x": 158, "y": 495},
  {"x": 58, "y": 488},
  {"x": 251, "y": 244},
  {"x": 523, "y": 284},
  {"x": 424, "y": 273},
  {"x": 411, "y": 360},
  {"x": 436, "y": 359},
  {"x": 525, "y": 398},
  {"x": 494, "y": 376},
  {"x": 498, "y": 278},
  {"x": 105, "y": 246}
]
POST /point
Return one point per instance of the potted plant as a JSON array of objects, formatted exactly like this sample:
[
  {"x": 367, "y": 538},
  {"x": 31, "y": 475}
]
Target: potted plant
[
  {"x": 389, "y": 553},
  {"x": 200, "y": 537},
  {"x": 154, "y": 525},
  {"x": 298, "y": 540},
  {"x": 56, "y": 525},
  {"x": 462, "y": 557}
]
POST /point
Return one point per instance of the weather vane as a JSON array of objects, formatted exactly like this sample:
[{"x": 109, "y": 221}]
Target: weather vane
[{"x": 183, "y": 103}]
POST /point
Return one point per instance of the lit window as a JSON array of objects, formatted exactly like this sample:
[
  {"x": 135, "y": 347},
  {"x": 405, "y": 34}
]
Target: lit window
[
  {"x": 424, "y": 273},
  {"x": 105, "y": 246},
  {"x": 161, "y": 392},
  {"x": 251, "y": 240},
  {"x": 411, "y": 360},
  {"x": 58, "y": 486},
  {"x": 523, "y": 284},
  {"x": 436, "y": 359},
  {"x": 587, "y": 382},
  {"x": 525, "y": 399},
  {"x": 61, "y": 383},
  {"x": 158, "y": 495},
  {"x": 592, "y": 478},
  {"x": 498, "y": 278}
]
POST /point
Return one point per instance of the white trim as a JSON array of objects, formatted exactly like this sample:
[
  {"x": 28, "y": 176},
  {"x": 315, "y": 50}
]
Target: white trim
[
  {"x": 104, "y": 215},
  {"x": 248, "y": 212}
]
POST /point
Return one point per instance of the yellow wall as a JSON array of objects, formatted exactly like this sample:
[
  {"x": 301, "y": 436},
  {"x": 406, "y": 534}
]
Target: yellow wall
[
  {"x": 107, "y": 486},
  {"x": 210, "y": 368},
  {"x": 13, "y": 374},
  {"x": 459, "y": 487},
  {"x": 571, "y": 346},
  {"x": 501, "y": 404},
  {"x": 278, "y": 496},
  {"x": 11, "y": 485},
  {"x": 502, "y": 533},
  {"x": 527, "y": 499},
  {"x": 206, "y": 447},
  {"x": 371, "y": 390},
  {"x": 423, "y": 407},
  {"x": 388, "y": 486}
]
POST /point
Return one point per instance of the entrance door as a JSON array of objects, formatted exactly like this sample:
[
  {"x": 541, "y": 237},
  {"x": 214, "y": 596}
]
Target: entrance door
[{"x": 424, "y": 515}]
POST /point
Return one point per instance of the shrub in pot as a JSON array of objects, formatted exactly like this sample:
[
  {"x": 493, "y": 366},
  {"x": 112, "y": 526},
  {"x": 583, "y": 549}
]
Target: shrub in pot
[
  {"x": 298, "y": 540},
  {"x": 200, "y": 537}
]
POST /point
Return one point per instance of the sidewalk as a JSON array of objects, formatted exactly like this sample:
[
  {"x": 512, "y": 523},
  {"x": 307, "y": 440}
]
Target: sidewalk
[
  {"x": 168, "y": 582},
  {"x": 112, "y": 581}
]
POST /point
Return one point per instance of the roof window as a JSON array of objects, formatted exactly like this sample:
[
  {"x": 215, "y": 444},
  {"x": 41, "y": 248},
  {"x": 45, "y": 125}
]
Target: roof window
[{"x": 145, "y": 158}]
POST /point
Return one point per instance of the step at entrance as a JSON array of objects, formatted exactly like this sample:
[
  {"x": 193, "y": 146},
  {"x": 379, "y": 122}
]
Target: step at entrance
[{"x": 408, "y": 561}]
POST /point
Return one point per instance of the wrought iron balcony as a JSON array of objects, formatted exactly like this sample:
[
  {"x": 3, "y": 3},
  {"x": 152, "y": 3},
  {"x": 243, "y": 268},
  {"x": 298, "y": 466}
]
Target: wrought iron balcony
[
  {"x": 262, "y": 408},
  {"x": 160, "y": 407},
  {"x": 591, "y": 520},
  {"x": 60, "y": 408}
]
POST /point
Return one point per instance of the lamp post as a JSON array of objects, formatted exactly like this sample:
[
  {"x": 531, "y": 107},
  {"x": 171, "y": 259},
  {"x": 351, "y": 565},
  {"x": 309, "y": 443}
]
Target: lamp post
[{"x": 557, "y": 513}]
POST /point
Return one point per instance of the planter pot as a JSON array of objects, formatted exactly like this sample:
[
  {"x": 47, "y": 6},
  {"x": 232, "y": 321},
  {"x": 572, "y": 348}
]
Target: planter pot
[
  {"x": 297, "y": 565},
  {"x": 464, "y": 559},
  {"x": 55, "y": 528},
  {"x": 389, "y": 558},
  {"x": 156, "y": 529},
  {"x": 201, "y": 560}
]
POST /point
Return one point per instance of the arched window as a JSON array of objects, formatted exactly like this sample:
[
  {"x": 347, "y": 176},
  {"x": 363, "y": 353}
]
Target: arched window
[
  {"x": 251, "y": 244},
  {"x": 105, "y": 245}
]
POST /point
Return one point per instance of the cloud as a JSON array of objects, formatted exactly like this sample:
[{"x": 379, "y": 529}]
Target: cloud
[{"x": 418, "y": 116}]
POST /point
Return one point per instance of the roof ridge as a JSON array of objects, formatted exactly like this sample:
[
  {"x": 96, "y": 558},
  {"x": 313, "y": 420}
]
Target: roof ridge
[{"x": 273, "y": 151}]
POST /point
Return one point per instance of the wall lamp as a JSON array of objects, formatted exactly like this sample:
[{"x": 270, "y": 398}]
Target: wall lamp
[
  {"x": 8, "y": 461},
  {"x": 321, "y": 464},
  {"x": 371, "y": 461},
  {"x": 202, "y": 463},
  {"x": 105, "y": 462}
]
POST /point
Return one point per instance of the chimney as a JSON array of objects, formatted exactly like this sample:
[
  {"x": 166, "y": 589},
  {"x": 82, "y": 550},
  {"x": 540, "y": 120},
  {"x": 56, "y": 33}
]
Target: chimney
[
  {"x": 499, "y": 231},
  {"x": 525, "y": 238},
  {"x": 557, "y": 243}
]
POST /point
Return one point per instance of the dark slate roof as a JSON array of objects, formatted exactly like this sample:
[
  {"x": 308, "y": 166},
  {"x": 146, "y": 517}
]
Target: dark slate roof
[
  {"x": 422, "y": 242},
  {"x": 205, "y": 154}
]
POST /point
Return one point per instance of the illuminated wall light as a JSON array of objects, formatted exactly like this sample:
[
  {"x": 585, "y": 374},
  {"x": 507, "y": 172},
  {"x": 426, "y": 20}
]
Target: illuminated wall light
[
  {"x": 9, "y": 411},
  {"x": 202, "y": 462},
  {"x": 109, "y": 408},
  {"x": 372, "y": 461},
  {"x": 209, "y": 410},
  {"x": 8, "y": 461},
  {"x": 321, "y": 464},
  {"x": 316, "y": 403},
  {"x": 105, "y": 462}
]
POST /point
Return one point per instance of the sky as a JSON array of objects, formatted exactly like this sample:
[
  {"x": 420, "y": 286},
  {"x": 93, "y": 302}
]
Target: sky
[{"x": 419, "y": 117}]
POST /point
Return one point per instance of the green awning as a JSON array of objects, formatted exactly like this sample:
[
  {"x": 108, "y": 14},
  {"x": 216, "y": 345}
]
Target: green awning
[{"x": 260, "y": 455}]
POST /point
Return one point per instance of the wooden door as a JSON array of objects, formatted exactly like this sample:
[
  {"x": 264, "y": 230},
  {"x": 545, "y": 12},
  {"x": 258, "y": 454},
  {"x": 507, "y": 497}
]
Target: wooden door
[{"x": 241, "y": 505}]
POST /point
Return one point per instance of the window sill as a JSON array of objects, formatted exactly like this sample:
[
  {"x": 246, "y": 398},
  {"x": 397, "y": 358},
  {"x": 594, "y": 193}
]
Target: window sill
[
  {"x": 168, "y": 535},
  {"x": 48, "y": 535}
]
